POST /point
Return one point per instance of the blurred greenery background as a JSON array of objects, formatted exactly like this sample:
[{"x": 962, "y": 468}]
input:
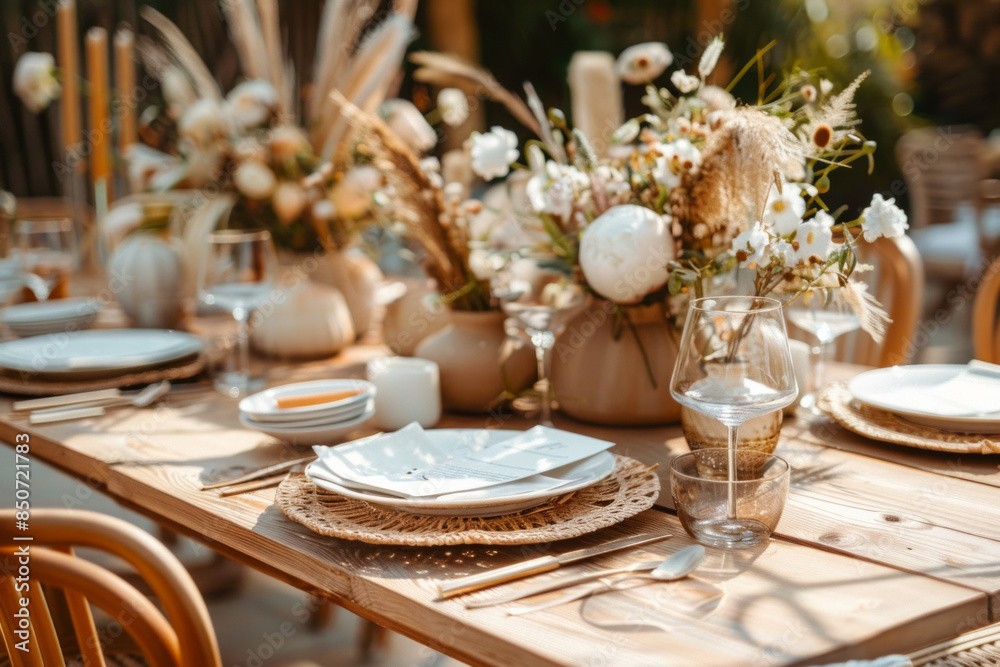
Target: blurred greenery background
[{"x": 931, "y": 62}]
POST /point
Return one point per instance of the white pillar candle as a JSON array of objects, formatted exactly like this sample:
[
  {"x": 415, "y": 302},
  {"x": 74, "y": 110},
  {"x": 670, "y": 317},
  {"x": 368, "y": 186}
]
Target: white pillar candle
[
  {"x": 800, "y": 364},
  {"x": 406, "y": 390},
  {"x": 596, "y": 97}
]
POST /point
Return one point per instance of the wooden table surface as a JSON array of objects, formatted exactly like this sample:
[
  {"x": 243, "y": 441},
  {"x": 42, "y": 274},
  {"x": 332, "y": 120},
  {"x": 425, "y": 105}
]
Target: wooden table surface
[{"x": 881, "y": 549}]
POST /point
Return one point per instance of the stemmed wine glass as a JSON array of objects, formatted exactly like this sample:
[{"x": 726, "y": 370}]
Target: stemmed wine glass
[
  {"x": 824, "y": 315},
  {"x": 733, "y": 365},
  {"x": 45, "y": 250},
  {"x": 536, "y": 291},
  {"x": 238, "y": 273}
]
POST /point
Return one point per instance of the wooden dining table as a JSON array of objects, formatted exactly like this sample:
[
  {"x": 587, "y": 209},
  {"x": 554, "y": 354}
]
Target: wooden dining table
[{"x": 881, "y": 548}]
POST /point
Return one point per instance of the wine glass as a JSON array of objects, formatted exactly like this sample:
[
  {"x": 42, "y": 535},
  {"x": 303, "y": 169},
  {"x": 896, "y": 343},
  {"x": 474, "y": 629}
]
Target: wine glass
[
  {"x": 824, "y": 315},
  {"x": 538, "y": 294},
  {"x": 46, "y": 252},
  {"x": 733, "y": 365},
  {"x": 237, "y": 273}
]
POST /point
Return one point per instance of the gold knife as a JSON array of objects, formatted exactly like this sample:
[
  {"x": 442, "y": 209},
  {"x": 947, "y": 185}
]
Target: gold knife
[{"x": 477, "y": 582}]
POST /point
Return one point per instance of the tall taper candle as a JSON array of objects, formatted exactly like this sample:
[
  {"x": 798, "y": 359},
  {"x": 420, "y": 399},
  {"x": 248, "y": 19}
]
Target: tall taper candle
[
  {"x": 69, "y": 63},
  {"x": 596, "y": 97},
  {"x": 125, "y": 83},
  {"x": 100, "y": 122}
]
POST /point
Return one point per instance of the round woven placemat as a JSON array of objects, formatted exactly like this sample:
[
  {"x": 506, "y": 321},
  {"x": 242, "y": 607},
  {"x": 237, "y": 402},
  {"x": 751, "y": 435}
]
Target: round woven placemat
[
  {"x": 631, "y": 488},
  {"x": 10, "y": 384},
  {"x": 838, "y": 402}
]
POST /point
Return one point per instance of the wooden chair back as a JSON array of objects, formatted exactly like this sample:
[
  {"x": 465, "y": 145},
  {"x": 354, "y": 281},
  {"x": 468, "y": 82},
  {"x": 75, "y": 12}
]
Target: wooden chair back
[
  {"x": 898, "y": 284},
  {"x": 944, "y": 169},
  {"x": 178, "y": 636},
  {"x": 986, "y": 316}
]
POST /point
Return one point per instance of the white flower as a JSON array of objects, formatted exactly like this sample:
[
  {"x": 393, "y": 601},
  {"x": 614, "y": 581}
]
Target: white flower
[
  {"x": 624, "y": 253},
  {"x": 783, "y": 211},
  {"x": 711, "y": 56},
  {"x": 814, "y": 240},
  {"x": 753, "y": 242},
  {"x": 644, "y": 62},
  {"x": 684, "y": 82},
  {"x": 493, "y": 152},
  {"x": 288, "y": 141},
  {"x": 453, "y": 106},
  {"x": 825, "y": 86},
  {"x": 251, "y": 103},
  {"x": 480, "y": 264},
  {"x": 823, "y": 218},
  {"x": 177, "y": 91},
  {"x": 555, "y": 190},
  {"x": 254, "y": 180},
  {"x": 203, "y": 123},
  {"x": 677, "y": 157},
  {"x": 288, "y": 201},
  {"x": 34, "y": 80},
  {"x": 883, "y": 218},
  {"x": 783, "y": 251},
  {"x": 354, "y": 193},
  {"x": 407, "y": 123}
]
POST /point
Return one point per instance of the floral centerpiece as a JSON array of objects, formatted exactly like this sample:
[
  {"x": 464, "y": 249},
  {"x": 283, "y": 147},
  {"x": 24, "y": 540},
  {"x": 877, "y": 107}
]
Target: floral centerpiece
[{"x": 699, "y": 195}]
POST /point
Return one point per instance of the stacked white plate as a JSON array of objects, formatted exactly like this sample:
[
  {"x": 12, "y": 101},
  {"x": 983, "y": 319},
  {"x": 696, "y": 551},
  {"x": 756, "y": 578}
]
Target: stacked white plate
[
  {"x": 948, "y": 397},
  {"x": 44, "y": 317},
  {"x": 314, "y": 424},
  {"x": 396, "y": 452},
  {"x": 97, "y": 354}
]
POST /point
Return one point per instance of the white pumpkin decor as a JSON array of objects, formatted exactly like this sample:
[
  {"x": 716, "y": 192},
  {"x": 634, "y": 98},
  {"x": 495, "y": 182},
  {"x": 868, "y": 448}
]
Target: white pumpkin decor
[
  {"x": 146, "y": 275},
  {"x": 312, "y": 322},
  {"x": 624, "y": 253}
]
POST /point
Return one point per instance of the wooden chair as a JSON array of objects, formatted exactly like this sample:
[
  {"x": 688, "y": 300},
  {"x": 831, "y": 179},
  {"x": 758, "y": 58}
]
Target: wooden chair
[
  {"x": 986, "y": 316},
  {"x": 179, "y": 636},
  {"x": 898, "y": 284},
  {"x": 949, "y": 190}
]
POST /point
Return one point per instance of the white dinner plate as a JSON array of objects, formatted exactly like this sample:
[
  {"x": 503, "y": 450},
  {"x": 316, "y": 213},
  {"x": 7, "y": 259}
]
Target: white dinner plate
[
  {"x": 575, "y": 477},
  {"x": 263, "y": 406},
  {"x": 86, "y": 353},
  {"x": 889, "y": 389},
  {"x": 59, "y": 315},
  {"x": 311, "y": 435}
]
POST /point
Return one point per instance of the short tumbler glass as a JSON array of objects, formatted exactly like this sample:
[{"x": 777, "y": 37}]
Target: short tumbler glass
[{"x": 698, "y": 484}]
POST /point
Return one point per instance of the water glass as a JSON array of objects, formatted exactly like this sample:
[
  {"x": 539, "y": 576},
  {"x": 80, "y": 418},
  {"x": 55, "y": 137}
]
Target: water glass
[
  {"x": 46, "y": 252},
  {"x": 700, "y": 483}
]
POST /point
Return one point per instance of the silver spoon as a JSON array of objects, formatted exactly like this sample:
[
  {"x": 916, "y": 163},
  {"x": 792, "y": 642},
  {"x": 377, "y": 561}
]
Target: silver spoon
[{"x": 677, "y": 566}]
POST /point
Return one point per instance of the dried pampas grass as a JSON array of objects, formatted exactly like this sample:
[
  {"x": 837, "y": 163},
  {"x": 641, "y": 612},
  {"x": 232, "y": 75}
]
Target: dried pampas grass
[{"x": 751, "y": 153}]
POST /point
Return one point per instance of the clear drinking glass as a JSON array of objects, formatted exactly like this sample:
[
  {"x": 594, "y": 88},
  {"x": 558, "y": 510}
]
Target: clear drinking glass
[
  {"x": 46, "y": 254},
  {"x": 700, "y": 488},
  {"x": 734, "y": 365},
  {"x": 824, "y": 315},
  {"x": 538, "y": 294},
  {"x": 238, "y": 272}
]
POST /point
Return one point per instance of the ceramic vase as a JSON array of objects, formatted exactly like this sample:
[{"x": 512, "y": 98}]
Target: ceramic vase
[
  {"x": 411, "y": 315},
  {"x": 600, "y": 374},
  {"x": 468, "y": 352}
]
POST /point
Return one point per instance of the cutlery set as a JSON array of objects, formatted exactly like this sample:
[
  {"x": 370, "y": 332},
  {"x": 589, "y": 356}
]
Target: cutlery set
[
  {"x": 675, "y": 567},
  {"x": 89, "y": 403}
]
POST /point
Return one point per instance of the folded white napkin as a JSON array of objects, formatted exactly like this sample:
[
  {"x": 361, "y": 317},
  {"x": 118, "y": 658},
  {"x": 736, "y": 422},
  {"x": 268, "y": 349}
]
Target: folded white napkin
[
  {"x": 974, "y": 391},
  {"x": 408, "y": 464}
]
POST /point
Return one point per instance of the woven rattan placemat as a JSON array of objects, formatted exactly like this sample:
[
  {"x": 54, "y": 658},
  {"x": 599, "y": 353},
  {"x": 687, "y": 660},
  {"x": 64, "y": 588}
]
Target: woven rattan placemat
[
  {"x": 838, "y": 402},
  {"x": 631, "y": 488},
  {"x": 29, "y": 386}
]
